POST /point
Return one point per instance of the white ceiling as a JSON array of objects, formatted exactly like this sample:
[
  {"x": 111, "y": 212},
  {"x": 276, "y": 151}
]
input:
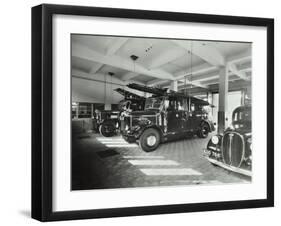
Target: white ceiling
[{"x": 160, "y": 60}]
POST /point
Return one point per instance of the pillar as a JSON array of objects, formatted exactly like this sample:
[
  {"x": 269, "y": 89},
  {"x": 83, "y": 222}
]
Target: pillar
[
  {"x": 243, "y": 94},
  {"x": 107, "y": 106},
  {"x": 174, "y": 85},
  {"x": 223, "y": 92}
]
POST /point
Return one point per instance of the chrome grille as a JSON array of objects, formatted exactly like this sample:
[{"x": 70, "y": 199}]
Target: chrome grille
[{"x": 233, "y": 149}]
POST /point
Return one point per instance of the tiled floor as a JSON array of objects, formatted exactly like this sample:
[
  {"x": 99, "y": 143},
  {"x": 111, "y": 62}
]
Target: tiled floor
[{"x": 99, "y": 162}]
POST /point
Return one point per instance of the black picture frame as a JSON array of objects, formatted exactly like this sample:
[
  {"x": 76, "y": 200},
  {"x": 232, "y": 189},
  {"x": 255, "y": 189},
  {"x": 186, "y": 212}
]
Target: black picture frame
[{"x": 42, "y": 107}]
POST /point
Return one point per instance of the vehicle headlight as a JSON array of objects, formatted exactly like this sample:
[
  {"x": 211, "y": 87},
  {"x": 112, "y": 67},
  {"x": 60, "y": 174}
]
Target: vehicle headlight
[
  {"x": 215, "y": 140},
  {"x": 126, "y": 127}
]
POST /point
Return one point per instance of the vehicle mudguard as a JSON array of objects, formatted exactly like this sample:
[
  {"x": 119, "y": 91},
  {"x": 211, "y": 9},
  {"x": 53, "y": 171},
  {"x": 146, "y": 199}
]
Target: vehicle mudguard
[
  {"x": 143, "y": 128},
  {"x": 113, "y": 121},
  {"x": 210, "y": 124}
]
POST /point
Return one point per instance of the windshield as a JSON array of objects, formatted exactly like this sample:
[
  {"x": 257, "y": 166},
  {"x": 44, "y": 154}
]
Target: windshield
[
  {"x": 244, "y": 115},
  {"x": 153, "y": 103}
]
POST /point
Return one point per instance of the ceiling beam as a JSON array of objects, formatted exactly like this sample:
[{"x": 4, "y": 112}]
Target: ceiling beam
[
  {"x": 199, "y": 69},
  {"x": 245, "y": 66},
  {"x": 204, "y": 77},
  {"x": 233, "y": 86},
  {"x": 232, "y": 67},
  {"x": 203, "y": 50},
  {"x": 100, "y": 77},
  {"x": 129, "y": 76},
  {"x": 216, "y": 80},
  {"x": 241, "y": 57},
  {"x": 203, "y": 68},
  {"x": 156, "y": 82},
  {"x": 167, "y": 57},
  {"x": 95, "y": 68},
  {"x": 116, "y": 46},
  {"x": 110, "y": 51},
  {"x": 95, "y": 77},
  {"x": 83, "y": 52},
  {"x": 194, "y": 83}
]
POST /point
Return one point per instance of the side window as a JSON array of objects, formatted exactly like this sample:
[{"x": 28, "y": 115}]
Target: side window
[
  {"x": 180, "y": 104},
  {"x": 166, "y": 104},
  {"x": 192, "y": 107},
  {"x": 176, "y": 104},
  {"x": 172, "y": 104}
]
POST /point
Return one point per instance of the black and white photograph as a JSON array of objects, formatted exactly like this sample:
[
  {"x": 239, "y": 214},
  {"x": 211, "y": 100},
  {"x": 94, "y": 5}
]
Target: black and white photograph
[
  {"x": 141, "y": 112},
  {"x": 149, "y": 112}
]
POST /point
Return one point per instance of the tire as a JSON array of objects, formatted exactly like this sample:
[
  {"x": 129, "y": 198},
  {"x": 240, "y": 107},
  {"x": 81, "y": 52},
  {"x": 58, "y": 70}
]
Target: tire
[
  {"x": 149, "y": 140},
  {"x": 107, "y": 129},
  {"x": 204, "y": 130}
]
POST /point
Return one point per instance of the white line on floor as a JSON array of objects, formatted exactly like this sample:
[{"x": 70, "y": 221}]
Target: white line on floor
[
  {"x": 108, "y": 139},
  {"x": 122, "y": 145},
  {"x": 142, "y": 157},
  {"x": 114, "y": 142},
  {"x": 170, "y": 172},
  {"x": 154, "y": 162}
]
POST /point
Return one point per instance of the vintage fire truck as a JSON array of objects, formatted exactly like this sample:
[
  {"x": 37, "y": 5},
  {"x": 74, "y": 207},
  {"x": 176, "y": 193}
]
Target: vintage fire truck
[
  {"x": 108, "y": 122},
  {"x": 232, "y": 150},
  {"x": 166, "y": 116}
]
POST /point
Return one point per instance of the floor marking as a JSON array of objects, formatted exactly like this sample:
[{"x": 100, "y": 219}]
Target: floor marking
[
  {"x": 114, "y": 142},
  {"x": 154, "y": 162},
  {"x": 109, "y": 139},
  {"x": 196, "y": 181},
  {"x": 170, "y": 172},
  {"x": 142, "y": 157},
  {"x": 121, "y": 145}
]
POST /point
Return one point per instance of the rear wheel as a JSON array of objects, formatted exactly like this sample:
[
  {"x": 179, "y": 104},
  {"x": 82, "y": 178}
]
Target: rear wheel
[
  {"x": 203, "y": 131},
  {"x": 107, "y": 129},
  {"x": 149, "y": 140}
]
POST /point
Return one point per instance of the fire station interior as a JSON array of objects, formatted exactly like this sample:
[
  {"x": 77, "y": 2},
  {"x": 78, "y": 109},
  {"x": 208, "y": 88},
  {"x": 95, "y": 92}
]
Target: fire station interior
[{"x": 218, "y": 72}]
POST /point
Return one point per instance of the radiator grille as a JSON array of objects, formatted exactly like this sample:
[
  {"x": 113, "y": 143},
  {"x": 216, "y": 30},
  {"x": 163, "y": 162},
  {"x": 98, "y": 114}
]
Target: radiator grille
[{"x": 233, "y": 149}]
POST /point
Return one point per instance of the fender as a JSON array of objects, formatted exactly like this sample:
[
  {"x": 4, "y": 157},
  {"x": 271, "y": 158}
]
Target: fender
[
  {"x": 109, "y": 121},
  {"x": 143, "y": 128},
  {"x": 209, "y": 123}
]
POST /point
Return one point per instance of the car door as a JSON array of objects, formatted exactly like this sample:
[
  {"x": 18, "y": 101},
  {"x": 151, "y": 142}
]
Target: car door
[{"x": 175, "y": 116}]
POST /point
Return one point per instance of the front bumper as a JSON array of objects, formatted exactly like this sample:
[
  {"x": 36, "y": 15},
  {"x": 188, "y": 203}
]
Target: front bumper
[{"x": 228, "y": 167}]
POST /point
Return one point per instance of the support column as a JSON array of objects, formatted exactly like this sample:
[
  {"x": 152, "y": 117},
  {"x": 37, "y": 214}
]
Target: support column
[
  {"x": 107, "y": 106},
  {"x": 243, "y": 93},
  {"x": 174, "y": 85},
  {"x": 209, "y": 97},
  {"x": 223, "y": 93}
]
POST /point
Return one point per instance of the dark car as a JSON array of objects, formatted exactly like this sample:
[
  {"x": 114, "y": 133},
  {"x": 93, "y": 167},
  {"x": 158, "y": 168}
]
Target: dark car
[
  {"x": 166, "y": 116},
  {"x": 232, "y": 150},
  {"x": 108, "y": 122}
]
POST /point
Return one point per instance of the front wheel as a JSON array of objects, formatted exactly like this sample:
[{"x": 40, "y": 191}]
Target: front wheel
[
  {"x": 107, "y": 129},
  {"x": 203, "y": 131},
  {"x": 149, "y": 140}
]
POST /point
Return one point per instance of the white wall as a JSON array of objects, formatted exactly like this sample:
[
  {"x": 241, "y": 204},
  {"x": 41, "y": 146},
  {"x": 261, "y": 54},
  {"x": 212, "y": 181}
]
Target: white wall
[
  {"x": 95, "y": 89},
  {"x": 15, "y": 113},
  {"x": 92, "y": 91}
]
